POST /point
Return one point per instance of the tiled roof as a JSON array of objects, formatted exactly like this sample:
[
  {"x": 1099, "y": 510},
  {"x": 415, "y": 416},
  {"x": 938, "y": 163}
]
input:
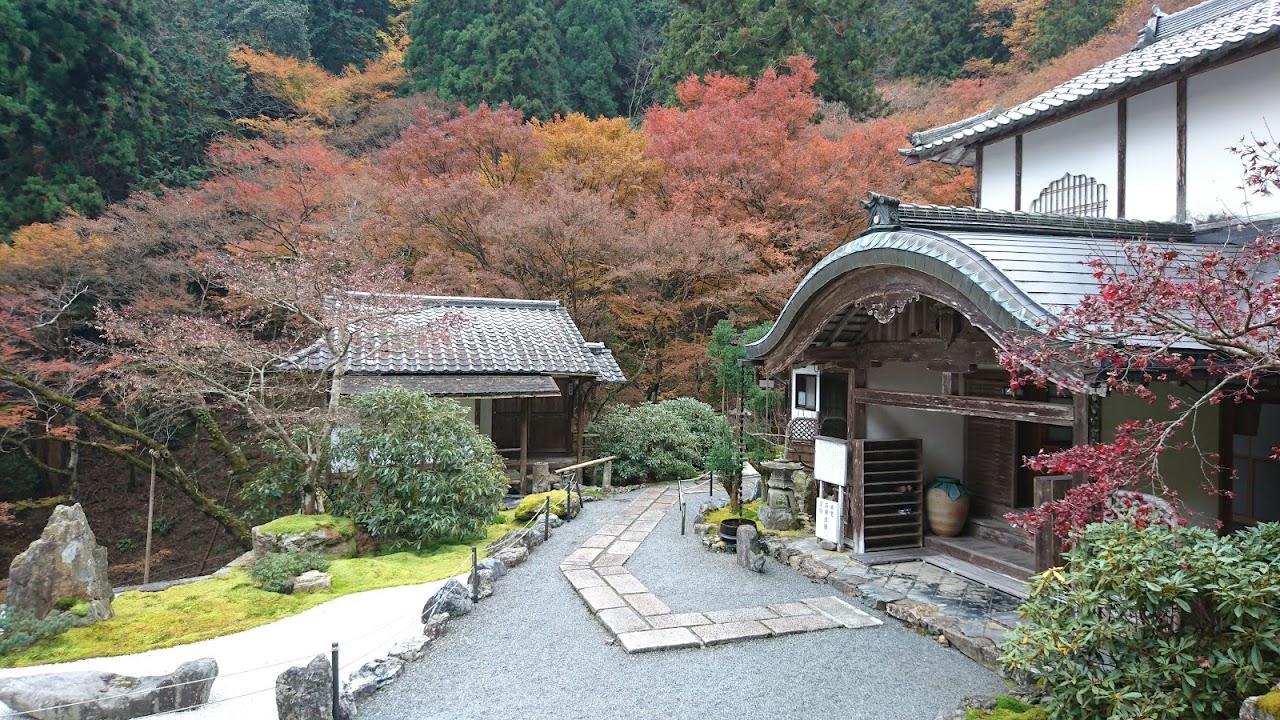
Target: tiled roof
[
  {"x": 462, "y": 386},
  {"x": 949, "y": 218},
  {"x": 1019, "y": 281},
  {"x": 1179, "y": 43},
  {"x": 481, "y": 336}
]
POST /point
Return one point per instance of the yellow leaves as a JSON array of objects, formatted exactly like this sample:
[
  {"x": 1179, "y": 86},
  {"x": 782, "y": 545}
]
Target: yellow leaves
[
  {"x": 607, "y": 154},
  {"x": 313, "y": 94},
  {"x": 45, "y": 249}
]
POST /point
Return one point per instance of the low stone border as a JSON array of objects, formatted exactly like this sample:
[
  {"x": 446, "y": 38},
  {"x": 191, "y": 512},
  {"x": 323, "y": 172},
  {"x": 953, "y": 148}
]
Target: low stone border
[
  {"x": 977, "y": 638},
  {"x": 641, "y": 622}
]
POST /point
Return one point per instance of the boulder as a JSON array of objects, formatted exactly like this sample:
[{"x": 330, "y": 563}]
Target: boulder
[
  {"x": 806, "y": 490},
  {"x": 493, "y": 565},
  {"x": 483, "y": 581},
  {"x": 512, "y": 556},
  {"x": 411, "y": 648},
  {"x": 66, "y": 562},
  {"x": 1262, "y": 707},
  {"x": 453, "y": 598},
  {"x": 306, "y": 693},
  {"x": 811, "y": 567},
  {"x": 382, "y": 670},
  {"x": 108, "y": 696},
  {"x": 436, "y": 626},
  {"x": 541, "y": 478},
  {"x": 530, "y": 538},
  {"x": 325, "y": 540},
  {"x": 312, "y": 581}
]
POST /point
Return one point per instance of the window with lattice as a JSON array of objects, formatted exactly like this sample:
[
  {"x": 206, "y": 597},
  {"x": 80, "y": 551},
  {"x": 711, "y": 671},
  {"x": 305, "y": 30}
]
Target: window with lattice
[{"x": 1073, "y": 195}]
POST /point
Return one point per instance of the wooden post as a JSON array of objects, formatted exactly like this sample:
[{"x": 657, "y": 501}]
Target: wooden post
[
  {"x": 582, "y": 422},
  {"x": 1079, "y": 427},
  {"x": 607, "y": 480},
  {"x": 856, "y": 429},
  {"x": 1048, "y": 547},
  {"x": 151, "y": 513},
  {"x": 524, "y": 446}
]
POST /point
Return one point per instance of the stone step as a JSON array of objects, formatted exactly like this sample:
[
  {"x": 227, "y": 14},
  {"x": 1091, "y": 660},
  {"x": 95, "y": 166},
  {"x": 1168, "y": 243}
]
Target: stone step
[
  {"x": 984, "y": 553},
  {"x": 999, "y": 531}
]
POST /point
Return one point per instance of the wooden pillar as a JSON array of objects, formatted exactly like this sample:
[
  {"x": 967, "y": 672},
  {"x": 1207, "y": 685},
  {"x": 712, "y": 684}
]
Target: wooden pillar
[
  {"x": 524, "y": 446},
  {"x": 1180, "y": 150},
  {"x": 856, "y": 429},
  {"x": 1079, "y": 427},
  {"x": 581, "y": 399},
  {"x": 1048, "y": 547},
  {"x": 1226, "y": 464}
]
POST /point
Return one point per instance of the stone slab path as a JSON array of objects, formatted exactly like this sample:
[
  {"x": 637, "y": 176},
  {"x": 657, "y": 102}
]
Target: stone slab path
[{"x": 642, "y": 622}]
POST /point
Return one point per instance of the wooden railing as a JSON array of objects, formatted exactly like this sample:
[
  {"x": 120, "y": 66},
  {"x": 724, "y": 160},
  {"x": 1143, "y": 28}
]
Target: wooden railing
[{"x": 572, "y": 471}]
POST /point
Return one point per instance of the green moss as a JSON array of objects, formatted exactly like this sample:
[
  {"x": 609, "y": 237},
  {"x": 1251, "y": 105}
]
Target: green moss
[
  {"x": 1007, "y": 708},
  {"x": 295, "y": 524},
  {"x": 532, "y": 504},
  {"x": 1270, "y": 703},
  {"x": 225, "y": 605},
  {"x": 749, "y": 511},
  {"x": 37, "y": 503},
  {"x": 73, "y": 605}
]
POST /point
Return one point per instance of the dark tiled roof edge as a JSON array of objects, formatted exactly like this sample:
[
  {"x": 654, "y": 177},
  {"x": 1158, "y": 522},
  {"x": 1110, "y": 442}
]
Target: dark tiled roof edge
[{"x": 951, "y": 217}]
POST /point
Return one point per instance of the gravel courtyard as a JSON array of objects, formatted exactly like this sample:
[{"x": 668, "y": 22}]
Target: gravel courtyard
[{"x": 534, "y": 651}]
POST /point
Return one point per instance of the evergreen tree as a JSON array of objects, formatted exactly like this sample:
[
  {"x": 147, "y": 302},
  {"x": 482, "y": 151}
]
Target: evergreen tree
[
  {"x": 79, "y": 105},
  {"x": 1067, "y": 24},
  {"x": 598, "y": 40},
  {"x": 200, "y": 88},
  {"x": 935, "y": 39},
  {"x": 345, "y": 32},
  {"x": 278, "y": 26},
  {"x": 476, "y": 51},
  {"x": 744, "y": 37}
]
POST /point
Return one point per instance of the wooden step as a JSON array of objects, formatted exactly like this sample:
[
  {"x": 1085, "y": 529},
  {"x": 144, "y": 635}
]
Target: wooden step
[
  {"x": 984, "y": 553},
  {"x": 999, "y": 531},
  {"x": 1005, "y": 584}
]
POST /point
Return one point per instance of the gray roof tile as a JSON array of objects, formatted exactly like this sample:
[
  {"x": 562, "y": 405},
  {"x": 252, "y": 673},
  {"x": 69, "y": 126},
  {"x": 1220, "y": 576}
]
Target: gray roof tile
[
  {"x": 1201, "y": 33},
  {"x": 480, "y": 336}
]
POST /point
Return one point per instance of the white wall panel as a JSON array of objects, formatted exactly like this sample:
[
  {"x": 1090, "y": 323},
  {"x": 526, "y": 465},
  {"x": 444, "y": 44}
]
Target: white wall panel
[
  {"x": 1082, "y": 145},
  {"x": 997, "y": 175},
  {"x": 1151, "y": 189}
]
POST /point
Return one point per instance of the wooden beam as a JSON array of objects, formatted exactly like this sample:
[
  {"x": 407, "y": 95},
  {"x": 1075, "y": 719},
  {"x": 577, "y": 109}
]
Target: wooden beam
[
  {"x": 856, "y": 425},
  {"x": 1019, "y": 410},
  {"x": 950, "y": 383},
  {"x": 1122, "y": 153},
  {"x": 1180, "y": 166},
  {"x": 960, "y": 352},
  {"x": 1017, "y": 172},
  {"x": 849, "y": 315}
]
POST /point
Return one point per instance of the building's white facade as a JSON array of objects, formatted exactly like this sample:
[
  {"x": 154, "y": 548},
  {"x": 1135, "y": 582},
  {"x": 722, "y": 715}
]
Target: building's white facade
[{"x": 1130, "y": 147}]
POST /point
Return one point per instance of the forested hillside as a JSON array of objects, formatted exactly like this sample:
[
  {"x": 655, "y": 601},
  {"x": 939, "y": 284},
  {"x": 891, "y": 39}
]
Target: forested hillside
[{"x": 183, "y": 182}]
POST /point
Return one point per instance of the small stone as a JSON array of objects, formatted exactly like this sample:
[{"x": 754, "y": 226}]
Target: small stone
[
  {"x": 828, "y": 545},
  {"x": 312, "y": 581},
  {"x": 512, "y": 556},
  {"x": 452, "y": 598},
  {"x": 942, "y": 640},
  {"x": 363, "y": 687},
  {"x": 556, "y": 521},
  {"x": 435, "y": 627},
  {"x": 811, "y": 567}
]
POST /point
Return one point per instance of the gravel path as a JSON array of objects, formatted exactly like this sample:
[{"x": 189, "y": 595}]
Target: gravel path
[
  {"x": 365, "y": 625},
  {"x": 534, "y": 651}
]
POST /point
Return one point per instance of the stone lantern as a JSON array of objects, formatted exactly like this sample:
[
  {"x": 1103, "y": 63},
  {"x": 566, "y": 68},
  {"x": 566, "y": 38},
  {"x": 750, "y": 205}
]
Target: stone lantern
[{"x": 779, "y": 509}]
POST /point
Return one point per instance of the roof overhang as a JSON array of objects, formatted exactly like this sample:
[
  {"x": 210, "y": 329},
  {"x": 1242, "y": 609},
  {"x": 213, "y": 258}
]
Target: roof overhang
[{"x": 457, "y": 386}]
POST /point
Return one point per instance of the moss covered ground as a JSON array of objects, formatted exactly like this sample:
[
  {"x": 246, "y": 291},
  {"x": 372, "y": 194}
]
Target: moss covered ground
[
  {"x": 1007, "y": 708},
  {"x": 295, "y": 524},
  {"x": 749, "y": 511},
  {"x": 225, "y": 605}
]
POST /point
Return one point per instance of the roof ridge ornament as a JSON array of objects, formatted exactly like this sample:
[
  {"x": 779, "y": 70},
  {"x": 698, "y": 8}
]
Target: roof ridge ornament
[
  {"x": 1149, "y": 32},
  {"x": 882, "y": 211}
]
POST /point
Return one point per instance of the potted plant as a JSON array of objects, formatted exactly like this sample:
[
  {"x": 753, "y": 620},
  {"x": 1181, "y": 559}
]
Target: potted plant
[
  {"x": 946, "y": 506},
  {"x": 725, "y": 462}
]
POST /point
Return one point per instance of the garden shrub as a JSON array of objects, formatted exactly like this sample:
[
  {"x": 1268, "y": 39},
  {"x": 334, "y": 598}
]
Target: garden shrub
[
  {"x": 420, "y": 472},
  {"x": 20, "y": 628},
  {"x": 275, "y": 572},
  {"x": 668, "y": 440},
  {"x": 1154, "y": 622}
]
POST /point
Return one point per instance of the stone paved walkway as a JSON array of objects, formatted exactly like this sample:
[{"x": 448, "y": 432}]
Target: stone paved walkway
[{"x": 642, "y": 622}]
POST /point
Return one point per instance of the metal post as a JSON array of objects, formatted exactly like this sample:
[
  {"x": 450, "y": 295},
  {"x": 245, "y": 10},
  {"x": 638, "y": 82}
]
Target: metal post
[
  {"x": 682, "y": 517},
  {"x": 337, "y": 703},
  {"x": 546, "y": 519},
  {"x": 568, "y": 499},
  {"x": 475, "y": 577}
]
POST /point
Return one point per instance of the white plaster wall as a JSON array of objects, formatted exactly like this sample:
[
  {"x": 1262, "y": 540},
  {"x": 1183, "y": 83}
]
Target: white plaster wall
[
  {"x": 1085, "y": 144},
  {"x": 1151, "y": 149},
  {"x": 1224, "y": 105},
  {"x": 799, "y": 412},
  {"x": 1182, "y": 469},
  {"x": 942, "y": 433},
  {"x": 998, "y": 174}
]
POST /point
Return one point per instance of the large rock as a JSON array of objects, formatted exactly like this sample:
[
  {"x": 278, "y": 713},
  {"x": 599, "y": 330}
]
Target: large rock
[
  {"x": 328, "y": 541},
  {"x": 312, "y": 581},
  {"x": 1262, "y": 707},
  {"x": 750, "y": 553},
  {"x": 512, "y": 556},
  {"x": 483, "y": 581},
  {"x": 541, "y": 478},
  {"x": 306, "y": 693},
  {"x": 530, "y": 538},
  {"x": 493, "y": 565},
  {"x": 66, "y": 562},
  {"x": 108, "y": 696},
  {"x": 453, "y": 598}
]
